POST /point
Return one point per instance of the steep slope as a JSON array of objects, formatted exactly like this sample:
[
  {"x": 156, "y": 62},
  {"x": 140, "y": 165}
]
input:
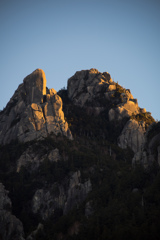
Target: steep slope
[{"x": 79, "y": 177}]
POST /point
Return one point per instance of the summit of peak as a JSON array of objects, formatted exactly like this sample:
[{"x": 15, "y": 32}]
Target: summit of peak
[
  {"x": 33, "y": 112},
  {"x": 93, "y": 70},
  {"x": 35, "y": 85}
]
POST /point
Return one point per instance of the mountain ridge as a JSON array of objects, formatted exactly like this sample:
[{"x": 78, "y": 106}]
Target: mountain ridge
[{"x": 86, "y": 166}]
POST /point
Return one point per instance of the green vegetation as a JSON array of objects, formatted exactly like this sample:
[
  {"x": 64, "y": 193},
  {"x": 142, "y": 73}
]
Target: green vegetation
[
  {"x": 146, "y": 117},
  {"x": 90, "y": 126},
  {"x": 125, "y": 205},
  {"x": 124, "y": 201},
  {"x": 119, "y": 90}
]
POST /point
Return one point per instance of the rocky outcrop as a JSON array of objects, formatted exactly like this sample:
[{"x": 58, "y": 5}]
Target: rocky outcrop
[
  {"x": 91, "y": 89},
  {"x": 46, "y": 201},
  {"x": 61, "y": 196},
  {"x": 125, "y": 109},
  {"x": 86, "y": 85},
  {"x": 38, "y": 230},
  {"x": 151, "y": 148},
  {"x": 34, "y": 156},
  {"x": 146, "y": 149},
  {"x": 132, "y": 135},
  {"x": 11, "y": 227},
  {"x": 33, "y": 112},
  {"x": 77, "y": 191}
]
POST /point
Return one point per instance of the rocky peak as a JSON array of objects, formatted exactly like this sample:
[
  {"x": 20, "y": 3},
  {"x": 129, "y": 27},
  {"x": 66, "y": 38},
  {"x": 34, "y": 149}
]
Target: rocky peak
[
  {"x": 92, "y": 88},
  {"x": 85, "y": 85},
  {"x": 35, "y": 86},
  {"x": 71, "y": 186},
  {"x": 33, "y": 112},
  {"x": 96, "y": 92}
]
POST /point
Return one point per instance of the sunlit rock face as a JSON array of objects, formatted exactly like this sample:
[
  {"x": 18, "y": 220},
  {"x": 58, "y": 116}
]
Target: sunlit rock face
[
  {"x": 33, "y": 112},
  {"x": 86, "y": 85},
  {"x": 144, "y": 143},
  {"x": 132, "y": 136},
  {"x": 98, "y": 93},
  {"x": 125, "y": 109},
  {"x": 35, "y": 86},
  {"x": 91, "y": 88}
]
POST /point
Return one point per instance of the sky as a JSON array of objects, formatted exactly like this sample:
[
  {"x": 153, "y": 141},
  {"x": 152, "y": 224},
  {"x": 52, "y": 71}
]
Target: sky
[{"x": 121, "y": 37}]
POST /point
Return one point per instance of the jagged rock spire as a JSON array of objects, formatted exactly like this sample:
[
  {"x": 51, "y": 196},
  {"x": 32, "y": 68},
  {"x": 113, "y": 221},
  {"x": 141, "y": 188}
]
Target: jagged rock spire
[
  {"x": 33, "y": 112},
  {"x": 35, "y": 86}
]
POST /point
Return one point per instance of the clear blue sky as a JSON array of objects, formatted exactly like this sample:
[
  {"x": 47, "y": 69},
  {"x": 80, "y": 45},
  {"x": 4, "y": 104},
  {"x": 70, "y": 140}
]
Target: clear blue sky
[{"x": 65, "y": 36}]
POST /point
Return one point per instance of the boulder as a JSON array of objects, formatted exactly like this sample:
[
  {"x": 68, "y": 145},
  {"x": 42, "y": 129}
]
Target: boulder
[
  {"x": 125, "y": 109},
  {"x": 45, "y": 201},
  {"x": 54, "y": 155},
  {"x": 143, "y": 110},
  {"x": 117, "y": 113},
  {"x": 111, "y": 87}
]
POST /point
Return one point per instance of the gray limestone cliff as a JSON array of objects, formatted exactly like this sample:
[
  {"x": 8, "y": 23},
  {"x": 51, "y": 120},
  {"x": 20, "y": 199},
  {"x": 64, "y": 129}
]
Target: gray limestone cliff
[
  {"x": 33, "y": 112},
  {"x": 11, "y": 227}
]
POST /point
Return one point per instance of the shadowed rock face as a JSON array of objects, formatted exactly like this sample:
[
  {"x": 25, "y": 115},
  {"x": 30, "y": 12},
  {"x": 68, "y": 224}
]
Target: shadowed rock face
[
  {"x": 10, "y": 226},
  {"x": 63, "y": 196},
  {"x": 33, "y": 112}
]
